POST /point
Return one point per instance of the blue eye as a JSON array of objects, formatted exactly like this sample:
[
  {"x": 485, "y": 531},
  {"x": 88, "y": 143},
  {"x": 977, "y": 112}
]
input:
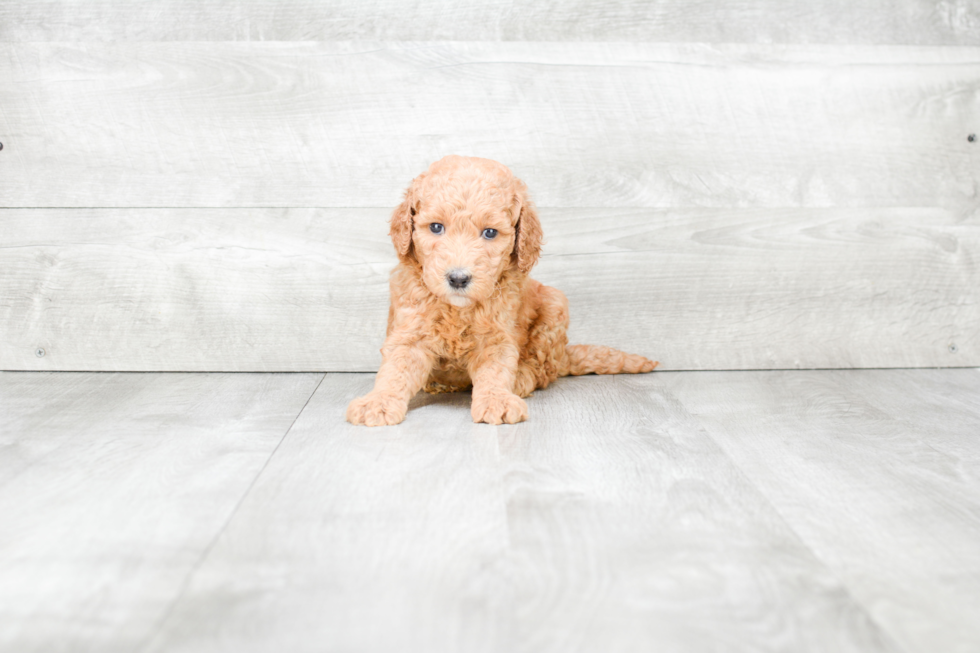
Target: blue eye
[
  {"x": 489, "y": 234},
  {"x": 436, "y": 228}
]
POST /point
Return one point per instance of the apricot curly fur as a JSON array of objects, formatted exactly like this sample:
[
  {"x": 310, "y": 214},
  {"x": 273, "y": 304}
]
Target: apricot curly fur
[{"x": 502, "y": 332}]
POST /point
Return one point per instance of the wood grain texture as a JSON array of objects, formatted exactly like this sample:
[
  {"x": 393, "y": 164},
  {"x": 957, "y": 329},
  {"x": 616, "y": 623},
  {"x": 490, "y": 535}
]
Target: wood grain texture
[
  {"x": 610, "y": 521},
  {"x": 306, "y": 289},
  {"x": 738, "y": 511},
  {"x": 632, "y": 530},
  {"x": 111, "y": 488},
  {"x": 359, "y": 539},
  {"x": 754, "y": 21},
  {"x": 584, "y": 124},
  {"x": 878, "y": 472}
]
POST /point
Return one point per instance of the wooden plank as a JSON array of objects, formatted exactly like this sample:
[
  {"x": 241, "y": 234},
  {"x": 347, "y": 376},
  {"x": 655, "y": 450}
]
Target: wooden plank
[
  {"x": 194, "y": 290},
  {"x": 783, "y": 289},
  {"x": 584, "y": 124},
  {"x": 609, "y": 521},
  {"x": 632, "y": 530},
  {"x": 943, "y": 405},
  {"x": 878, "y": 472},
  {"x": 306, "y": 289},
  {"x": 111, "y": 488},
  {"x": 359, "y": 539},
  {"x": 754, "y": 21}
]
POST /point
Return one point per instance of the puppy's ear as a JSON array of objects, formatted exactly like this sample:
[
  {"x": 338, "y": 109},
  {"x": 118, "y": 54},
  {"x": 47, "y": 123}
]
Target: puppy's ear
[
  {"x": 527, "y": 240},
  {"x": 403, "y": 222}
]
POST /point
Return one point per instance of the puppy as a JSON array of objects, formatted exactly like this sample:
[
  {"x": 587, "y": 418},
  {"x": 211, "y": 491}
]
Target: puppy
[{"x": 464, "y": 311}]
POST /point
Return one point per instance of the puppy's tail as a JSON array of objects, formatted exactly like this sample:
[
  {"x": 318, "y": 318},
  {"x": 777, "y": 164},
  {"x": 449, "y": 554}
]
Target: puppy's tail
[{"x": 596, "y": 359}]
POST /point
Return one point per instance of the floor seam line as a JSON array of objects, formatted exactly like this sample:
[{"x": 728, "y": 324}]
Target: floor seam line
[{"x": 155, "y": 631}]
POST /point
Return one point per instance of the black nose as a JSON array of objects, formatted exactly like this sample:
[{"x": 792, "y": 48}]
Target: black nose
[{"x": 459, "y": 279}]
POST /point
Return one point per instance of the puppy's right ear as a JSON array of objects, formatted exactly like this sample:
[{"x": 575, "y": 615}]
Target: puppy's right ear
[{"x": 403, "y": 222}]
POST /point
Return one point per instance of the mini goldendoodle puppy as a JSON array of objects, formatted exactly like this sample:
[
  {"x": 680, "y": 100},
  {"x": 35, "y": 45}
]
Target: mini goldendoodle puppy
[{"x": 463, "y": 310}]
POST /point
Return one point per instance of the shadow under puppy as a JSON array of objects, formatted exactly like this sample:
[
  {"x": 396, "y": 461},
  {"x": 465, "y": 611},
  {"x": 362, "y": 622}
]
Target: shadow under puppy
[{"x": 463, "y": 310}]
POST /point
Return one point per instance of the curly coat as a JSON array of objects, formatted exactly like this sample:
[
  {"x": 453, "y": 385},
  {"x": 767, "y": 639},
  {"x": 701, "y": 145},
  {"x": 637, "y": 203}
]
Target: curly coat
[{"x": 463, "y": 310}]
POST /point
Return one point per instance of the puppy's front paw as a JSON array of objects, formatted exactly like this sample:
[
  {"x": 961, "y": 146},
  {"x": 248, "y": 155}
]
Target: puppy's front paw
[
  {"x": 499, "y": 408},
  {"x": 375, "y": 409}
]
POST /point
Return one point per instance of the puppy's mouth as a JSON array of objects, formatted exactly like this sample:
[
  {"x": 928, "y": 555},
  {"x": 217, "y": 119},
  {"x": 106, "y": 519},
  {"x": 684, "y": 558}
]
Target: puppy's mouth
[{"x": 458, "y": 299}]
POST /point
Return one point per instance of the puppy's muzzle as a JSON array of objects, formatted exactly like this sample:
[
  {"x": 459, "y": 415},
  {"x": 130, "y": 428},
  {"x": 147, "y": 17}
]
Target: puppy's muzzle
[{"x": 458, "y": 279}]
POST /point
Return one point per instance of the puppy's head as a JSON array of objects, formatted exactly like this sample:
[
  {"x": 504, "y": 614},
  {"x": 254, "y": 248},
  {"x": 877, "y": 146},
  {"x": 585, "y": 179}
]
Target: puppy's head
[{"x": 465, "y": 221}]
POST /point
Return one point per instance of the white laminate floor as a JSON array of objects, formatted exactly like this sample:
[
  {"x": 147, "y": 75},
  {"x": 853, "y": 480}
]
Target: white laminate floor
[{"x": 688, "y": 511}]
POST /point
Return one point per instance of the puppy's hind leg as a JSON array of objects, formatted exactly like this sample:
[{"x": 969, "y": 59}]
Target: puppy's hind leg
[{"x": 544, "y": 358}]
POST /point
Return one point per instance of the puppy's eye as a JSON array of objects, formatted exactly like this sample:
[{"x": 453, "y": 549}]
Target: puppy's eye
[
  {"x": 436, "y": 228},
  {"x": 489, "y": 234}
]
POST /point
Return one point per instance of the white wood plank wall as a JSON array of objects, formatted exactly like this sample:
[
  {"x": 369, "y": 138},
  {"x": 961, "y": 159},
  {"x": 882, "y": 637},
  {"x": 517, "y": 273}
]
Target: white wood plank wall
[
  {"x": 845, "y": 22},
  {"x": 755, "y": 185},
  {"x": 275, "y": 289}
]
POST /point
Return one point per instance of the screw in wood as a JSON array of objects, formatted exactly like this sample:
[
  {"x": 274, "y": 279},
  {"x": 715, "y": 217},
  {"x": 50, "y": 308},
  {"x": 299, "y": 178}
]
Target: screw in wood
[
  {"x": 1, "y": 146},
  {"x": 39, "y": 352},
  {"x": 971, "y": 138},
  {"x": 952, "y": 349}
]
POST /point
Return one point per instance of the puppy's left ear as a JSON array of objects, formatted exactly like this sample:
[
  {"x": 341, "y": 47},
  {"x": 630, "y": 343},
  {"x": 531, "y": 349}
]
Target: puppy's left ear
[{"x": 527, "y": 240}]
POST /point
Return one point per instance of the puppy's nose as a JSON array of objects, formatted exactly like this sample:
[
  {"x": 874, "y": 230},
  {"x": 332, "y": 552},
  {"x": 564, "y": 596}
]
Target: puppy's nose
[{"x": 459, "y": 279}]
